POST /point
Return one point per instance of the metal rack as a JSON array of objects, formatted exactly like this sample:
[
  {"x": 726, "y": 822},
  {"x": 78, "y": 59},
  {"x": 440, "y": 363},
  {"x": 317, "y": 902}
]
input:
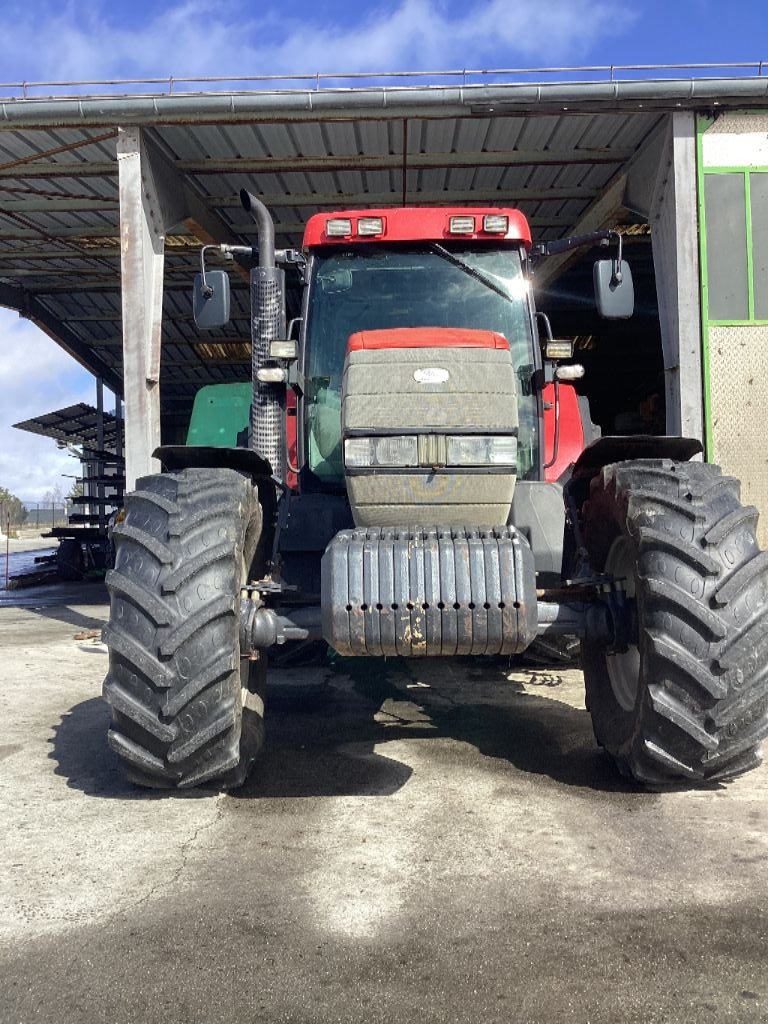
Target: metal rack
[{"x": 97, "y": 439}]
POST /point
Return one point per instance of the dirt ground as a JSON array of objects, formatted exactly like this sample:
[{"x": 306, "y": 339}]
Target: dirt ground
[{"x": 430, "y": 841}]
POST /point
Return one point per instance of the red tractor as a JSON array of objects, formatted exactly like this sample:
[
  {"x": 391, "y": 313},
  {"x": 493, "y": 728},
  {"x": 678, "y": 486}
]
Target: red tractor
[{"x": 419, "y": 478}]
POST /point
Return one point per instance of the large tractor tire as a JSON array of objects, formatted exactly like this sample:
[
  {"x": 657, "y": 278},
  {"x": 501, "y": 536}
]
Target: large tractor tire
[
  {"x": 689, "y": 701},
  {"x": 186, "y": 709}
]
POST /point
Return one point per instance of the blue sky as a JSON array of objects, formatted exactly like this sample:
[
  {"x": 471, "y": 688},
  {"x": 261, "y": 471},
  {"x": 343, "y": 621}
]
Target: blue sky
[{"x": 42, "y": 40}]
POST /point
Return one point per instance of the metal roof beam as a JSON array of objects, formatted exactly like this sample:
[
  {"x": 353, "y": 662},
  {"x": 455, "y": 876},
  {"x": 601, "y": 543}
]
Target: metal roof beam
[
  {"x": 81, "y": 271},
  {"x": 116, "y": 316},
  {"x": 84, "y": 318},
  {"x": 42, "y": 273},
  {"x": 339, "y": 162},
  {"x": 117, "y": 341},
  {"x": 443, "y": 197},
  {"x": 67, "y": 147},
  {"x": 80, "y": 233},
  {"x": 41, "y": 204},
  {"x": 206, "y": 377},
  {"x": 205, "y": 363},
  {"x": 185, "y": 252},
  {"x": 44, "y": 204},
  {"x": 50, "y": 285},
  {"x": 416, "y": 161}
]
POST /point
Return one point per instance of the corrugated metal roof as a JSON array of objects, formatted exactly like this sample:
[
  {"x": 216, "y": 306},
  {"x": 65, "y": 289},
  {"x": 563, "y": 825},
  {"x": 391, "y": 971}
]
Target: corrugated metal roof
[
  {"x": 76, "y": 424},
  {"x": 59, "y": 214}
]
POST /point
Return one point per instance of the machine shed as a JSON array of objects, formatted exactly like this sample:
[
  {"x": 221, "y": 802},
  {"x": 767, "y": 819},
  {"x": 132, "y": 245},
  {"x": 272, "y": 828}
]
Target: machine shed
[{"x": 105, "y": 201}]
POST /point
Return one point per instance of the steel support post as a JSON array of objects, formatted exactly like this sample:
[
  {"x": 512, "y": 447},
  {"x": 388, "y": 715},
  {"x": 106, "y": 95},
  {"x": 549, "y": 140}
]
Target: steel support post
[
  {"x": 148, "y": 207},
  {"x": 674, "y": 235},
  {"x": 100, "y": 448},
  {"x": 153, "y": 199},
  {"x": 118, "y": 430}
]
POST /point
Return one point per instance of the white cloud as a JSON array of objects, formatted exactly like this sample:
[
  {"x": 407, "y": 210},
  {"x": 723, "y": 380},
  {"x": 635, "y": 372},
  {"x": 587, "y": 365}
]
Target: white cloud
[
  {"x": 214, "y": 38},
  {"x": 36, "y": 376}
]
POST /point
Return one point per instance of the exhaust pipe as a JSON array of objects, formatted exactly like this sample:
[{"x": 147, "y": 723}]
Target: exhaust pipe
[
  {"x": 253, "y": 205},
  {"x": 267, "y": 324}
]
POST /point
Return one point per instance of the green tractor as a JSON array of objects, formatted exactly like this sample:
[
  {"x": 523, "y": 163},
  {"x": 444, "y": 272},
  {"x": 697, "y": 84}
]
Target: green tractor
[{"x": 382, "y": 486}]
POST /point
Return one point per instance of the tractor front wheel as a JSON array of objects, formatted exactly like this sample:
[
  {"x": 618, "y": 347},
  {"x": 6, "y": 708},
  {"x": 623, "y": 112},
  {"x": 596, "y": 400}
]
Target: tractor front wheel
[
  {"x": 687, "y": 697},
  {"x": 186, "y": 709}
]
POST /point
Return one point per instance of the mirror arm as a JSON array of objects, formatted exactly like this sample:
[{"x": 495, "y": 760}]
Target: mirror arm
[
  {"x": 292, "y": 324},
  {"x": 560, "y": 245},
  {"x": 229, "y": 252},
  {"x": 616, "y": 276},
  {"x": 205, "y": 287},
  {"x": 547, "y": 325}
]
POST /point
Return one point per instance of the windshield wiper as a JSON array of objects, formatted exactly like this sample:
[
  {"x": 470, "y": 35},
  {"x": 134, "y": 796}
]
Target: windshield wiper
[{"x": 465, "y": 267}]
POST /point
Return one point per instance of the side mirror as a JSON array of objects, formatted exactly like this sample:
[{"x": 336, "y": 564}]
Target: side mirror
[
  {"x": 210, "y": 300},
  {"x": 614, "y": 290}
]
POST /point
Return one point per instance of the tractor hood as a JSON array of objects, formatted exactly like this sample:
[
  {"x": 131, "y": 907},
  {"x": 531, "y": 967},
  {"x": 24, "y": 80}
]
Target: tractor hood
[{"x": 429, "y": 427}]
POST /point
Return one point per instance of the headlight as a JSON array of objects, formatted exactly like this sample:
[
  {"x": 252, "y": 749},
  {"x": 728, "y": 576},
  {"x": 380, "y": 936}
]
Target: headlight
[
  {"x": 283, "y": 348},
  {"x": 338, "y": 227},
  {"x": 461, "y": 225},
  {"x": 558, "y": 349},
  {"x": 481, "y": 450},
  {"x": 370, "y": 226},
  {"x": 403, "y": 450},
  {"x": 399, "y": 450},
  {"x": 498, "y": 224}
]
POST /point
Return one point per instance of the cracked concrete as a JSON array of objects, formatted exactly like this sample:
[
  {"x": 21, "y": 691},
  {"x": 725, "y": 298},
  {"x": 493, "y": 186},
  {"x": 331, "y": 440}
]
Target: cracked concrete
[{"x": 435, "y": 841}]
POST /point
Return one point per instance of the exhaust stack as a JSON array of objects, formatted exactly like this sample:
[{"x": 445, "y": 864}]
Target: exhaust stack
[{"x": 267, "y": 324}]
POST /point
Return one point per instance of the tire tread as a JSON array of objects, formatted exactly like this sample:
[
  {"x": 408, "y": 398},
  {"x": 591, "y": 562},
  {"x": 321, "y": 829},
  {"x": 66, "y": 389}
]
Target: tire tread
[
  {"x": 174, "y": 681},
  {"x": 702, "y": 711}
]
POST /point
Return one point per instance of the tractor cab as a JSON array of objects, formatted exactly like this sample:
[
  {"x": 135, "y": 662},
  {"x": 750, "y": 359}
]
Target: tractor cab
[{"x": 441, "y": 270}]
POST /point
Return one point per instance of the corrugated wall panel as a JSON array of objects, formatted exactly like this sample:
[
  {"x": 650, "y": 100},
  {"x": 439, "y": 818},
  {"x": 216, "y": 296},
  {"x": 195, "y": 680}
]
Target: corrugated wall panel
[
  {"x": 738, "y": 353},
  {"x": 738, "y": 360}
]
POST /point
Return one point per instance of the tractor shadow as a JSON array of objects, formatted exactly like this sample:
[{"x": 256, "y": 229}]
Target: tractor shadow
[
  {"x": 83, "y": 757},
  {"x": 335, "y": 745},
  {"x": 325, "y": 749}
]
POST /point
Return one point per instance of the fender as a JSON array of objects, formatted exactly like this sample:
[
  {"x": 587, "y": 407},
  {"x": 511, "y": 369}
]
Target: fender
[
  {"x": 606, "y": 450},
  {"x": 190, "y": 456},
  {"x": 603, "y": 452},
  {"x": 243, "y": 460}
]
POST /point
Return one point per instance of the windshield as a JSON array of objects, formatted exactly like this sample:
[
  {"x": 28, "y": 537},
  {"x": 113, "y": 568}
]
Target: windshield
[{"x": 379, "y": 287}]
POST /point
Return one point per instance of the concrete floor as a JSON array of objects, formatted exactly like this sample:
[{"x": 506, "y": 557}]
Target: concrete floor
[{"x": 435, "y": 842}]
